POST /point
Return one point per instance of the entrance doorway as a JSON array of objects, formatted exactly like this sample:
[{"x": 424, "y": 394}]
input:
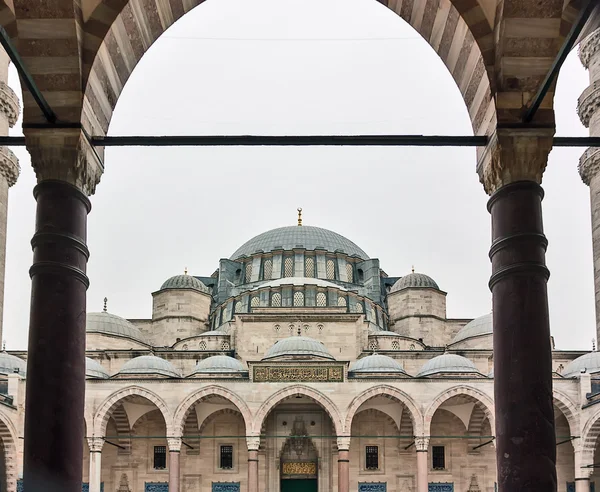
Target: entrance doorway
[{"x": 299, "y": 485}]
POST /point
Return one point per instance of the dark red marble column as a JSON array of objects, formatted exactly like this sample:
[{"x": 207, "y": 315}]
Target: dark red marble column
[
  {"x": 54, "y": 420},
  {"x": 525, "y": 437}
]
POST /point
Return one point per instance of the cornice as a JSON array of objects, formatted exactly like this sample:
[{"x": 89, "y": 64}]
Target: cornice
[
  {"x": 9, "y": 103},
  {"x": 588, "y": 103},
  {"x": 588, "y": 48},
  {"x": 9, "y": 166},
  {"x": 589, "y": 164}
]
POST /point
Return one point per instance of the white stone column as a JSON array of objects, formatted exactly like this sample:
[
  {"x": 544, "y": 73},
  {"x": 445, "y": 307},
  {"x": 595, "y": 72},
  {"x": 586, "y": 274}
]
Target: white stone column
[
  {"x": 174, "y": 464},
  {"x": 588, "y": 108},
  {"x": 253, "y": 445},
  {"x": 95, "y": 444},
  {"x": 422, "y": 446}
]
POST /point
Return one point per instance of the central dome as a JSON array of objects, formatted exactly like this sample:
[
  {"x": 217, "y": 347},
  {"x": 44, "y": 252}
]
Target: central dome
[{"x": 306, "y": 237}]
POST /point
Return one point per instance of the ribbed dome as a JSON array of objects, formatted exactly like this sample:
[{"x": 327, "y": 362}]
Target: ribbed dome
[
  {"x": 109, "y": 324},
  {"x": 479, "y": 326},
  {"x": 94, "y": 369},
  {"x": 414, "y": 280},
  {"x": 11, "y": 364},
  {"x": 306, "y": 237},
  {"x": 147, "y": 365},
  {"x": 376, "y": 363},
  {"x": 447, "y": 363},
  {"x": 184, "y": 282},
  {"x": 589, "y": 363},
  {"x": 218, "y": 364},
  {"x": 298, "y": 346}
]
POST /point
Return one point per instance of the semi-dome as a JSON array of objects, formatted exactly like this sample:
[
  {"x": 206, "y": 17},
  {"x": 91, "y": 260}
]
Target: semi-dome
[
  {"x": 478, "y": 327},
  {"x": 376, "y": 363},
  {"x": 219, "y": 364},
  {"x": 94, "y": 369},
  {"x": 447, "y": 363},
  {"x": 298, "y": 346},
  {"x": 184, "y": 282},
  {"x": 414, "y": 280},
  {"x": 148, "y": 365},
  {"x": 306, "y": 237},
  {"x": 589, "y": 363},
  {"x": 11, "y": 364},
  {"x": 110, "y": 324}
]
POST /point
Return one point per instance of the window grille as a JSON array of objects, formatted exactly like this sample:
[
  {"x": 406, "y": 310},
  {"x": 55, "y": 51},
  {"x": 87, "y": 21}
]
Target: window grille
[
  {"x": 358, "y": 307},
  {"x": 226, "y": 458},
  {"x": 350, "y": 272},
  {"x": 372, "y": 457},
  {"x": 202, "y": 345},
  {"x": 321, "y": 299},
  {"x": 248, "y": 271},
  {"x": 298, "y": 298},
  {"x": 288, "y": 267},
  {"x": 342, "y": 301},
  {"x": 255, "y": 302},
  {"x": 309, "y": 267},
  {"x": 276, "y": 299},
  {"x": 224, "y": 345},
  {"x": 330, "y": 270},
  {"x": 438, "y": 457},
  {"x": 267, "y": 269},
  {"x": 160, "y": 457},
  {"x": 373, "y": 345},
  {"x": 395, "y": 345}
]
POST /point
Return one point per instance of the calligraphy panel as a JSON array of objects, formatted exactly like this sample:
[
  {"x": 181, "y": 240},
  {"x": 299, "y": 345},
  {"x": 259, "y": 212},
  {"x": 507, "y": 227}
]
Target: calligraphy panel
[
  {"x": 299, "y": 468},
  {"x": 156, "y": 487},
  {"x": 372, "y": 487},
  {"x": 298, "y": 374},
  {"x": 441, "y": 487},
  {"x": 226, "y": 487}
]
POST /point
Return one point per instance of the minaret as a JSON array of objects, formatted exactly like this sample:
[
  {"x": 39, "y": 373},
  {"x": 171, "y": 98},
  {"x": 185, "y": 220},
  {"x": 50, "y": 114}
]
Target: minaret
[
  {"x": 588, "y": 108},
  {"x": 9, "y": 164}
]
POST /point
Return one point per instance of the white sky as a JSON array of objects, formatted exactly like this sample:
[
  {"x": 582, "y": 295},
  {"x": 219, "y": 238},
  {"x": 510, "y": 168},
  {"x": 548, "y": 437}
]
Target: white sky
[{"x": 304, "y": 67}]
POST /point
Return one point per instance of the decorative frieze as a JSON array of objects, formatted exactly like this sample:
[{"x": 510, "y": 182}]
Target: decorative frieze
[
  {"x": 299, "y": 468},
  {"x": 589, "y": 164},
  {"x": 9, "y": 103},
  {"x": 588, "y": 48},
  {"x": 9, "y": 165},
  {"x": 588, "y": 103},
  {"x": 298, "y": 374}
]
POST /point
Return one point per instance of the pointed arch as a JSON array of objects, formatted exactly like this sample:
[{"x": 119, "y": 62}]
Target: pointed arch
[
  {"x": 8, "y": 438},
  {"x": 121, "y": 420},
  {"x": 568, "y": 409},
  {"x": 475, "y": 428},
  {"x": 589, "y": 438}
]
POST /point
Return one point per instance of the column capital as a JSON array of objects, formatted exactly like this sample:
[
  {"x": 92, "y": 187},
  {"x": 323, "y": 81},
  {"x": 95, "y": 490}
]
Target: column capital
[
  {"x": 174, "y": 443},
  {"x": 588, "y": 48},
  {"x": 95, "y": 444},
  {"x": 588, "y": 103},
  {"x": 514, "y": 154},
  {"x": 9, "y": 166},
  {"x": 65, "y": 155},
  {"x": 422, "y": 443},
  {"x": 343, "y": 443},
  {"x": 253, "y": 443},
  {"x": 589, "y": 164}
]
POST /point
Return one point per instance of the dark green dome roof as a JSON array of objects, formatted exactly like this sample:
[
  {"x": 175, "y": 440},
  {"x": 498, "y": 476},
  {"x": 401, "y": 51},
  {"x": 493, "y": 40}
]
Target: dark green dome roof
[{"x": 184, "y": 282}]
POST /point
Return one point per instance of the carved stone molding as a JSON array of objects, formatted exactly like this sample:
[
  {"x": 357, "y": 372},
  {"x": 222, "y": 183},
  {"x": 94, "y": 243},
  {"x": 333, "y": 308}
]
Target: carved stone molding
[
  {"x": 9, "y": 166},
  {"x": 9, "y": 103},
  {"x": 589, "y": 164},
  {"x": 588, "y": 103},
  {"x": 588, "y": 48},
  {"x": 514, "y": 154},
  {"x": 174, "y": 443},
  {"x": 95, "y": 444},
  {"x": 253, "y": 443},
  {"x": 343, "y": 443},
  {"x": 422, "y": 443}
]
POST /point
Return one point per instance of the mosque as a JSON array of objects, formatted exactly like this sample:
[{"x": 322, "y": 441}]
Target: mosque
[{"x": 299, "y": 365}]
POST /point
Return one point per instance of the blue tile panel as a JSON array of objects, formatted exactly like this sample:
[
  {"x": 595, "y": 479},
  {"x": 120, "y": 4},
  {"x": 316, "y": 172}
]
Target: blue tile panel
[
  {"x": 441, "y": 487},
  {"x": 226, "y": 487},
  {"x": 570, "y": 486},
  {"x": 156, "y": 487},
  {"x": 85, "y": 487},
  {"x": 372, "y": 487}
]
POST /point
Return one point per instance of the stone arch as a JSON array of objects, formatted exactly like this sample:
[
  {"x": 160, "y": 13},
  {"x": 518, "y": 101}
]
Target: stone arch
[
  {"x": 589, "y": 437},
  {"x": 389, "y": 392},
  {"x": 568, "y": 409},
  {"x": 8, "y": 439},
  {"x": 321, "y": 399},
  {"x": 188, "y": 404},
  {"x": 481, "y": 398},
  {"x": 217, "y": 414},
  {"x": 107, "y": 407},
  {"x": 475, "y": 428},
  {"x": 121, "y": 420},
  {"x": 377, "y": 414},
  {"x": 118, "y": 33}
]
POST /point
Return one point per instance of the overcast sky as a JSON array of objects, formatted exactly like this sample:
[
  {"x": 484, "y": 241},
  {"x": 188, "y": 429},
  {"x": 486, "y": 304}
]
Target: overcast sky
[{"x": 304, "y": 67}]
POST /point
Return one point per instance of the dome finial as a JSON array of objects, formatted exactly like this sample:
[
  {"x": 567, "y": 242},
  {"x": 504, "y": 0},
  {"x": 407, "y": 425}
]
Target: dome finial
[
  {"x": 105, "y": 302},
  {"x": 299, "y": 216},
  {"x": 413, "y": 269},
  {"x": 185, "y": 271}
]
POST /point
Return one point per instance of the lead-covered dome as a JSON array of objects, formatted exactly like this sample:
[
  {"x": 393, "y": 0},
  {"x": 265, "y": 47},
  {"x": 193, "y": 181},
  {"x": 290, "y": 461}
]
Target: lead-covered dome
[
  {"x": 414, "y": 280},
  {"x": 11, "y": 364},
  {"x": 184, "y": 282},
  {"x": 376, "y": 363},
  {"x": 307, "y": 237},
  {"x": 147, "y": 365},
  {"x": 298, "y": 347},
  {"x": 219, "y": 364},
  {"x": 110, "y": 324},
  {"x": 447, "y": 364},
  {"x": 589, "y": 363},
  {"x": 478, "y": 327},
  {"x": 94, "y": 370}
]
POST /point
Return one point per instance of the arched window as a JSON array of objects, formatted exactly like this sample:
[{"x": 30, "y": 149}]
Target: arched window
[
  {"x": 276, "y": 299},
  {"x": 330, "y": 270},
  {"x": 350, "y": 272},
  {"x": 342, "y": 301},
  {"x": 255, "y": 302},
  {"x": 248, "y": 271},
  {"x": 238, "y": 307},
  {"x": 298, "y": 298},
  {"x": 225, "y": 312},
  {"x": 373, "y": 315},
  {"x": 309, "y": 267},
  {"x": 321, "y": 299},
  {"x": 288, "y": 267},
  {"x": 267, "y": 269},
  {"x": 358, "y": 307},
  {"x": 395, "y": 345}
]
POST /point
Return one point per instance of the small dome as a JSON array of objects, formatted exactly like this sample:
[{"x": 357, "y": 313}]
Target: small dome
[
  {"x": 109, "y": 324},
  {"x": 298, "y": 346},
  {"x": 447, "y": 363},
  {"x": 11, "y": 364},
  {"x": 589, "y": 363},
  {"x": 414, "y": 280},
  {"x": 218, "y": 364},
  {"x": 184, "y": 282},
  {"x": 376, "y": 363},
  {"x": 94, "y": 370},
  {"x": 148, "y": 365},
  {"x": 479, "y": 326}
]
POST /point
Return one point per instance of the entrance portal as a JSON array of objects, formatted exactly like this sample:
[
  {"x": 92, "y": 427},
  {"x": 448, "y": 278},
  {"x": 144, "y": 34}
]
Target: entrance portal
[
  {"x": 299, "y": 485},
  {"x": 299, "y": 461}
]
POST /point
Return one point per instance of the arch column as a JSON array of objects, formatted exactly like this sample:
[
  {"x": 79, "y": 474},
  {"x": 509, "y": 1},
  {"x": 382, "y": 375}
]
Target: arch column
[
  {"x": 174, "y": 444},
  {"x": 582, "y": 473},
  {"x": 95, "y": 444},
  {"x": 67, "y": 170},
  {"x": 511, "y": 169},
  {"x": 253, "y": 444},
  {"x": 343, "y": 444},
  {"x": 422, "y": 446}
]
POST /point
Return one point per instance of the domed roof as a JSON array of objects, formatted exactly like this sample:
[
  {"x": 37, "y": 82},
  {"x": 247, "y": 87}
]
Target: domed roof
[
  {"x": 94, "y": 369},
  {"x": 479, "y": 326},
  {"x": 306, "y": 237},
  {"x": 218, "y": 364},
  {"x": 149, "y": 364},
  {"x": 376, "y": 363},
  {"x": 589, "y": 363},
  {"x": 412, "y": 280},
  {"x": 302, "y": 346},
  {"x": 110, "y": 324},
  {"x": 447, "y": 363},
  {"x": 184, "y": 282},
  {"x": 11, "y": 364}
]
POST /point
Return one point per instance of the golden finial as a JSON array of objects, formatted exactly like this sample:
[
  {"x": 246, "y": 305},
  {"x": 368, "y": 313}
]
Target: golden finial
[
  {"x": 185, "y": 271},
  {"x": 413, "y": 269},
  {"x": 105, "y": 302},
  {"x": 299, "y": 216}
]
